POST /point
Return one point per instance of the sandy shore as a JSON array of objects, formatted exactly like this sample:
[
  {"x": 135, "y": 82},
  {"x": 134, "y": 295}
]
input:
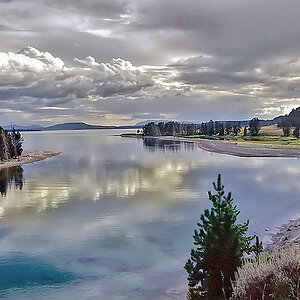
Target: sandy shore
[
  {"x": 28, "y": 157},
  {"x": 287, "y": 234},
  {"x": 247, "y": 149},
  {"x": 234, "y": 148}
]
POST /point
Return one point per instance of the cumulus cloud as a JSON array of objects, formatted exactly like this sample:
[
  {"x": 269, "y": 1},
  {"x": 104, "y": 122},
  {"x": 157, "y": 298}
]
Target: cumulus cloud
[
  {"x": 117, "y": 77},
  {"x": 38, "y": 74},
  {"x": 190, "y": 88}
]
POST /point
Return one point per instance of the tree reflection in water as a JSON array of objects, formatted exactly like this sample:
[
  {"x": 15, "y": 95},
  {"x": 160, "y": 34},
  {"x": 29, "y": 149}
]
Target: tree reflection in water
[
  {"x": 152, "y": 144},
  {"x": 11, "y": 177}
]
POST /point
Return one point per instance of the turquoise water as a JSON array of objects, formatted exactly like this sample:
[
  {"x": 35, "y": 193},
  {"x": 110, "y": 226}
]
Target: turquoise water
[{"x": 113, "y": 218}]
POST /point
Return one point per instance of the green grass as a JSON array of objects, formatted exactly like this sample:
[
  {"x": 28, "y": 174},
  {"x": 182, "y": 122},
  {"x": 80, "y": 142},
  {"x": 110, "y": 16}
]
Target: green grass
[
  {"x": 260, "y": 139},
  {"x": 274, "y": 140},
  {"x": 211, "y": 137}
]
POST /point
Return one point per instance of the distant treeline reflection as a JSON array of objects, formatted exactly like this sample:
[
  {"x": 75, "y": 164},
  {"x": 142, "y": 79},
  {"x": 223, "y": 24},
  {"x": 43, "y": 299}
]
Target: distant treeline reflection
[
  {"x": 11, "y": 177},
  {"x": 171, "y": 146}
]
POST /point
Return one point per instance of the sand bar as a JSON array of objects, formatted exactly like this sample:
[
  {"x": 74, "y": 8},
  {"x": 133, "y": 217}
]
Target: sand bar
[
  {"x": 28, "y": 157},
  {"x": 233, "y": 148}
]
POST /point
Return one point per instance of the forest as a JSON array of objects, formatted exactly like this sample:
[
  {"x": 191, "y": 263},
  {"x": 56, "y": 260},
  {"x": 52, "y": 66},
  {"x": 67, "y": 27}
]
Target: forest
[
  {"x": 210, "y": 128},
  {"x": 290, "y": 125},
  {"x": 10, "y": 144}
]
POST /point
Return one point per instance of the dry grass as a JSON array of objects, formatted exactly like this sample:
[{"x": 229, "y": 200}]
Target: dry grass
[
  {"x": 274, "y": 277},
  {"x": 270, "y": 135},
  {"x": 271, "y": 130}
]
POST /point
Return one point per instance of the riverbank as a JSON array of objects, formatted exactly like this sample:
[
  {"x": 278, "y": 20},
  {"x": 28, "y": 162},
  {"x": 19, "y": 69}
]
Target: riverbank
[
  {"x": 28, "y": 157},
  {"x": 245, "y": 149}
]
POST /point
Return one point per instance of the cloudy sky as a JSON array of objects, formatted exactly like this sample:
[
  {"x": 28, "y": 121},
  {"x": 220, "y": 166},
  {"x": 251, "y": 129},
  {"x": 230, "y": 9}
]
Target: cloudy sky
[{"x": 121, "y": 62}]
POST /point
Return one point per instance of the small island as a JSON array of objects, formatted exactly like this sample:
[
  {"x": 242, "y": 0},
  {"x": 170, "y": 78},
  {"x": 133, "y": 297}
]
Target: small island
[{"x": 12, "y": 153}]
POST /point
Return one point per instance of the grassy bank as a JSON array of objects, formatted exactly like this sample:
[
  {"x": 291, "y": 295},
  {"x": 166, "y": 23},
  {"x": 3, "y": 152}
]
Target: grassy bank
[
  {"x": 274, "y": 140},
  {"x": 269, "y": 135}
]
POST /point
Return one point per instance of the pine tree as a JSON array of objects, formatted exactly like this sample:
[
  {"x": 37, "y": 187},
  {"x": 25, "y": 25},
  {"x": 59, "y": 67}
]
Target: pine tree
[
  {"x": 254, "y": 127},
  {"x": 228, "y": 127},
  {"x": 236, "y": 128},
  {"x": 257, "y": 248},
  {"x": 296, "y": 132},
  {"x": 286, "y": 126},
  {"x": 17, "y": 142},
  {"x": 220, "y": 244},
  {"x": 211, "y": 127},
  {"x": 4, "y": 145}
]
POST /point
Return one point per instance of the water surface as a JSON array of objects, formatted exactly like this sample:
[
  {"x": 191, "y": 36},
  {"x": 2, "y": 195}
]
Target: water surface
[{"x": 113, "y": 218}]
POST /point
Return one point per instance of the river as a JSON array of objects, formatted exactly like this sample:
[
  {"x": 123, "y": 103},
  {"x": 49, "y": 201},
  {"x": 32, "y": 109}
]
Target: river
[{"x": 113, "y": 218}]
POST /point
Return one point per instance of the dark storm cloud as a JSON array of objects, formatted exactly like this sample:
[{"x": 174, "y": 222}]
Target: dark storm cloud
[
  {"x": 244, "y": 28},
  {"x": 173, "y": 59}
]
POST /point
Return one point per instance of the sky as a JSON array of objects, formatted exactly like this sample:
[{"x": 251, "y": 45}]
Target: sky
[{"x": 115, "y": 62}]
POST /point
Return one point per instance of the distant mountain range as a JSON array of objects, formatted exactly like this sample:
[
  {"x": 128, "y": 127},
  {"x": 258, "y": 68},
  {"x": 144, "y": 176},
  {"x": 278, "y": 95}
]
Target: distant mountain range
[
  {"x": 276, "y": 120},
  {"x": 84, "y": 126},
  {"x": 23, "y": 128},
  {"x": 77, "y": 126},
  {"x": 66, "y": 126}
]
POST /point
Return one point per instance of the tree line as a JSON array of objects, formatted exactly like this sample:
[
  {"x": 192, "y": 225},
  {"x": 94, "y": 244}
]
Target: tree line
[
  {"x": 210, "y": 128},
  {"x": 170, "y": 128},
  {"x": 10, "y": 144},
  {"x": 291, "y": 123}
]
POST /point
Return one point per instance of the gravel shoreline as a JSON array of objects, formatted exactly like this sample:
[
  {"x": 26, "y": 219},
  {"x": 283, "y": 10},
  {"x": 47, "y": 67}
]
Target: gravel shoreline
[
  {"x": 286, "y": 234},
  {"x": 28, "y": 157}
]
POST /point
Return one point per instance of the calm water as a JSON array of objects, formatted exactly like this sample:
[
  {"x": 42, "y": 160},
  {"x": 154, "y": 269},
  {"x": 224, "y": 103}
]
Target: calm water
[{"x": 113, "y": 218}]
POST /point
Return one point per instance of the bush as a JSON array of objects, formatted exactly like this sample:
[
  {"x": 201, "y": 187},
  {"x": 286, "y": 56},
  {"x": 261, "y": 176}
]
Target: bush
[{"x": 270, "y": 277}]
